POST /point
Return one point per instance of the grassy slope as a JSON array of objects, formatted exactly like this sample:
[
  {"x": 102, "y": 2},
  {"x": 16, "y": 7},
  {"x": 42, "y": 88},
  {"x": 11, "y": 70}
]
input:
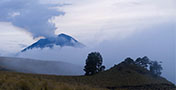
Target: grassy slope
[
  {"x": 18, "y": 81},
  {"x": 120, "y": 77}
]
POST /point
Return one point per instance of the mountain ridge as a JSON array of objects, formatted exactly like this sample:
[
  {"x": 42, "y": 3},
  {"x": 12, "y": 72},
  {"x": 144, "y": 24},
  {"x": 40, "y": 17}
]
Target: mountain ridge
[
  {"x": 61, "y": 40},
  {"x": 25, "y": 65}
]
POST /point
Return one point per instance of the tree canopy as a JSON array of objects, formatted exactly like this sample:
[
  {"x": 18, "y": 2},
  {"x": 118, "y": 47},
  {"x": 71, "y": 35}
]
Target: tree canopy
[
  {"x": 94, "y": 63},
  {"x": 155, "y": 68},
  {"x": 143, "y": 62}
]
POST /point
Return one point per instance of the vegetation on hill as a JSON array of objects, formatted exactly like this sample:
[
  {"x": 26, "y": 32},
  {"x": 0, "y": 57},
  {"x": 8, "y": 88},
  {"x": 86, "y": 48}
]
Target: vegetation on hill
[
  {"x": 153, "y": 66},
  {"x": 94, "y": 64}
]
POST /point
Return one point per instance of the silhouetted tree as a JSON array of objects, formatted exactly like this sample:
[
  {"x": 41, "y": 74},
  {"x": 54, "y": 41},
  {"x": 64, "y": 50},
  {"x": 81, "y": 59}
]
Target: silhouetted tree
[
  {"x": 143, "y": 62},
  {"x": 155, "y": 68},
  {"x": 94, "y": 63}
]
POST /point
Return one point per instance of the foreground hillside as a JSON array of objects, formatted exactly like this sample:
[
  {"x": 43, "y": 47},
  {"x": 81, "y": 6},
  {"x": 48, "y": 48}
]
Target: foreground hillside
[
  {"x": 17, "y": 81},
  {"x": 119, "y": 77}
]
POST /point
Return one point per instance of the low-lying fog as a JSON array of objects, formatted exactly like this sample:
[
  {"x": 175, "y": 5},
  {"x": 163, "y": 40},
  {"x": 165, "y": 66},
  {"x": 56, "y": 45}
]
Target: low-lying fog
[{"x": 39, "y": 67}]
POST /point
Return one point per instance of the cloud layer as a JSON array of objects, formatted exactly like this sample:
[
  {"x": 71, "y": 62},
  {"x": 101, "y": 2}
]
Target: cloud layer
[
  {"x": 100, "y": 20},
  {"x": 31, "y": 15}
]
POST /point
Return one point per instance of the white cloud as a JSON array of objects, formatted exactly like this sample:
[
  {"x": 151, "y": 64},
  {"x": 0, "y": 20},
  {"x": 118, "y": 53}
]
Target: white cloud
[
  {"x": 89, "y": 21},
  {"x": 21, "y": 16},
  {"x": 98, "y": 20},
  {"x": 12, "y": 38},
  {"x": 31, "y": 15}
]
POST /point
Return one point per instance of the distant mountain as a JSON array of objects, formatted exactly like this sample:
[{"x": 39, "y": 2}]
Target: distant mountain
[
  {"x": 61, "y": 40},
  {"x": 39, "y": 66}
]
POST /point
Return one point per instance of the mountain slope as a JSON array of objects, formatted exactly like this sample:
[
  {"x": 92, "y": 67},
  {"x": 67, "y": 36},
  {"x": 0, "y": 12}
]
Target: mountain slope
[
  {"x": 39, "y": 67},
  {"x": 130, "y": 75},
  {"x": 61, "y": 40}
]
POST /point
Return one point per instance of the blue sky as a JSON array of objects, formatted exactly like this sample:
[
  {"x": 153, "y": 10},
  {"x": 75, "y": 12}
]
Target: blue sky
[{"x": 117, "y": 28}]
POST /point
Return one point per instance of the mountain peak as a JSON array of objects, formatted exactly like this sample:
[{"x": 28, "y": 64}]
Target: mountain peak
[
  {"x": 63, "y": 35},
  {"x": 61, "y": 40}
]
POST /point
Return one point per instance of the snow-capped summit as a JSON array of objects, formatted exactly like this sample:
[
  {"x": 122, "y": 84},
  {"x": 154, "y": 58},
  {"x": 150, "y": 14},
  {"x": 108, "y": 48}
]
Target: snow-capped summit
[{"x": 61, "y": 40}]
